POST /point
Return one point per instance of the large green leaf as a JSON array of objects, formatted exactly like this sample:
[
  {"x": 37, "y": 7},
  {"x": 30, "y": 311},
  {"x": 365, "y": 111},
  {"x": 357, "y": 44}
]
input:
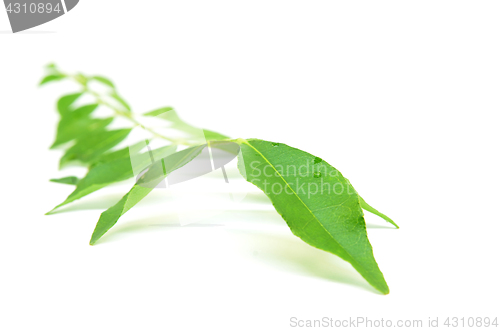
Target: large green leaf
[
  {"x": 316, "y": 201},
  {"x": 77, "y": 123},
  {"x": 156, "y": 173},
  {"x": 114, "y": 171},
  {"x": 89, "y": 147}
]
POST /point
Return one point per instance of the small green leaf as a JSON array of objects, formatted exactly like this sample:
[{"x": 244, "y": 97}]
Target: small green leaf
[
  {"x": 170, "y": 115},
  {"x": 81, "y": 78},
  {"x": 157, "y": 112},
  {"x": 66, "y": 180},
  {"x": 77, "y": 123},
  {"x": 51, "y": 78},
  {"x": 156, "y": 173},
  {"x": 65, "y": 102},
  {"x": 103, "y": 80},
  {"x": 372, "y": 210},
  {"x": 89, "y": 147},
  {"x": 115, "y": 171},
  {"x": 212, "y": 135},
  {"x": 121, "y": 101},
  {"x": 323, "y": 210},
  {"x": 51, "y": 66}
]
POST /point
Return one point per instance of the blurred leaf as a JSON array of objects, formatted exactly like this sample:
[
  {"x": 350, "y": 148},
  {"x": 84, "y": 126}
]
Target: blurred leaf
[
  {"x": 212, "y": 135},
  {"x": 114, "y": 171},
  {"x": 66, "y": 180},
  {"x": 90, "y": 146},
  {"x": 170, "y": 115},
  {"x": 77, "y": 123},
  {"x": 51, "y": 66},
  {"x": 64, "y": 103},
  {"x": 103, "y": 80},
  {"x": 158, "y": 111},
  {"x": 118, "y": 154},
  {"x": 121, "y": 101},
  {"x": 51, "y": 78},
  {"x": 156, "y": 173},
  {"x": 81, "y": 78}
]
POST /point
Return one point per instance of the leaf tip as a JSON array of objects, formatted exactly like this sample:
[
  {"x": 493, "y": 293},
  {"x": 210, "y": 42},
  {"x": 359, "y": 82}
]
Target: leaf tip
[
  {"x": 382, "y": 288},
  {"x": 94, "y": 238},
  {"x": 392, "y": 222}
]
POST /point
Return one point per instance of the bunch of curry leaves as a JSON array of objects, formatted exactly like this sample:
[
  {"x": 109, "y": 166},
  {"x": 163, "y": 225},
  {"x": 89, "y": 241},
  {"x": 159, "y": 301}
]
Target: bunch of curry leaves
[{"x": 332, "y": 221}]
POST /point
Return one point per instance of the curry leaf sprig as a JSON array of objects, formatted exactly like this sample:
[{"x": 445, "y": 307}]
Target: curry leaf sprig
[{"x": 331, "y": 220}]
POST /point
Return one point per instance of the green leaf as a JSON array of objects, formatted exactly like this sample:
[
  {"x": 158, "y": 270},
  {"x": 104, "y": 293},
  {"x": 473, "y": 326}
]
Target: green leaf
[
  {"x": 65, "y": 102},
  {"x": 81, "y": 78},
  {"x": 89, "y": 147},
  {"x": 51, "y": 78},
  {"x": 103, "y": 80},
  {"x": 156, "y": 173},
  {"x": 121, "y": 101},
  {"x": 115, "y": 171},
  {"x": 51, "y": 66},
  {"x": 372, "y": 210},
  {"x": 66, "y": 180},
  {"x": 77, "y": 123},
  {"x": 158, "y": 112},
  {"x": 212, "y": 135},
  {"x": 170, "y": 115},
  {"x": 316, "y": 201},
  {"x": 118, "y": 154}
]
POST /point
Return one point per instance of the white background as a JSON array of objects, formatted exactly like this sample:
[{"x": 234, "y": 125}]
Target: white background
[{"x": 401, "y": 96}]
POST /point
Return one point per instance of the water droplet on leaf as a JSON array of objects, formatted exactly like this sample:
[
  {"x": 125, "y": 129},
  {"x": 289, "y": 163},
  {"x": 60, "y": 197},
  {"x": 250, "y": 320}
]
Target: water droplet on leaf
[
  {"x": 317, "y": 160},
  {"x": 275, "y": 144},
  {"x": 317, "y": 174}
]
